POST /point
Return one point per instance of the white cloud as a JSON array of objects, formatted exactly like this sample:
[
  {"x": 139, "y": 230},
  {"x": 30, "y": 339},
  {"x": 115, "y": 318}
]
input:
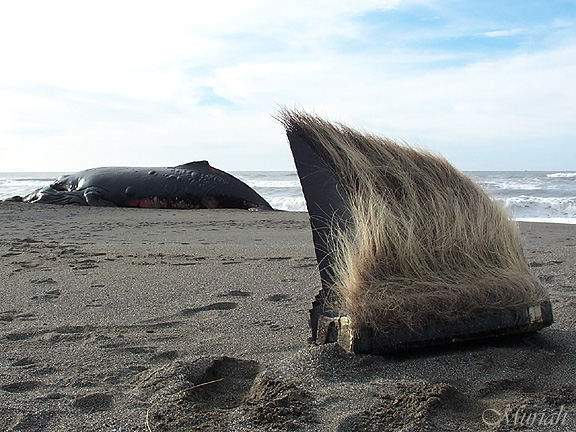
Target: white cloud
[
  {"x": 146, "y": 83},
  {"x": 504, "y": 33}
]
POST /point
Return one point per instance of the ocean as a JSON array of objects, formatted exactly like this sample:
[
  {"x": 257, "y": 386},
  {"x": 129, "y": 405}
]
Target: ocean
[{"x": 533, "y": 196}]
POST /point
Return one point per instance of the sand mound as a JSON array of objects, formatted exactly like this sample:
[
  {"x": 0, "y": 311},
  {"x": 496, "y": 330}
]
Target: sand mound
[{"x": 221, "y": 394}]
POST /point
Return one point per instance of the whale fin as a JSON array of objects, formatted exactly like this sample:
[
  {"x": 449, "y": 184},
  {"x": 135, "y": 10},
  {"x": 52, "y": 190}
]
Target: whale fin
[
  {"x": 93, "y": 196},
  {"x": 201, "y": 166}
]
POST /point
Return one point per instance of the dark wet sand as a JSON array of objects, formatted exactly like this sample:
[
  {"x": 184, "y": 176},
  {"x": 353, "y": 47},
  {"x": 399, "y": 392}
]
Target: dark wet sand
[{"x": 164, "y": 320}]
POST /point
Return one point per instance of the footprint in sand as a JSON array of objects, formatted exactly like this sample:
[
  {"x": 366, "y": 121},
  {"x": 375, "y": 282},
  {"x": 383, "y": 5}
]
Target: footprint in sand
[
  {"x": 70, "y": 329},
  {"x": 25, "y": 361},
  {"x": 236, "y": 293},
  {"x": 31, "y": 421},
  {"x": 94, "y": 402},
  {"x": 68, "y": 333},
  {"x": 139, "y": 350},
  {"x": 96, "y": 303},
  {"x": 47, "y": 281},
  {"x": 214, "y": 306},
  {"x": 166, "y": 355},
  {"x": 270, "y": 324},
  {"x": 27, "y": 264},
  {"x": 547, "y": 278},
  {"x": 18, "y": 336},
  {"x": 48, "y": 295},
  {"x": 84, "y": 264},
  {"x": 535, "y": 264},
  {"x": 9, "y": 316},
  {"x": 305, "y": 265},
  {"x": 21, "y": 387},
  {"x": 169, "y": 321},
  {"x": 278, "y": 297}
]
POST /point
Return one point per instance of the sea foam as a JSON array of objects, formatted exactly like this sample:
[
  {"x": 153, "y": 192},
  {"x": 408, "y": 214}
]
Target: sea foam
[{"x": 529, "y": 196}]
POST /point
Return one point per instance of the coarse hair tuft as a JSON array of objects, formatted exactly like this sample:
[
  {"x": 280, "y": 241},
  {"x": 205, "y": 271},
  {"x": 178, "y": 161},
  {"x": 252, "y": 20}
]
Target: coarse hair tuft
[{"x": 424, "y": 243}]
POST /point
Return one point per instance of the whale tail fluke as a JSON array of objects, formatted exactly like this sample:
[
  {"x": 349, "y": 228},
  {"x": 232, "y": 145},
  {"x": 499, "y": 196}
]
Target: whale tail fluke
[{"x": 411, "y": 252}]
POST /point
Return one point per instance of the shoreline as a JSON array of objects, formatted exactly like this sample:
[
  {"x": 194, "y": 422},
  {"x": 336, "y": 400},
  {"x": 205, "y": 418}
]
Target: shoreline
[{"x": 111, "y": 316}]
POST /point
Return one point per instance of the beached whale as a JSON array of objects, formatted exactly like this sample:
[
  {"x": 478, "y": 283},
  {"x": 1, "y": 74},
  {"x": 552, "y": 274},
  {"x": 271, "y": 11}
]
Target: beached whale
[{"x": 190, "y": 186}]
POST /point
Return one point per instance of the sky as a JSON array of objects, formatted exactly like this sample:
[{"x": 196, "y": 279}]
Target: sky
[{"x": 490, "y": 85}]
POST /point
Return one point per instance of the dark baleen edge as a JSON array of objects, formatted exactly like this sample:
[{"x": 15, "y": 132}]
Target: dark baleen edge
[
  {"x": 189, "y": 186},
  {"x": 320, "y": 151},
  {"x": 368, "y": 341},
  {"x": 326, "y": 203}
]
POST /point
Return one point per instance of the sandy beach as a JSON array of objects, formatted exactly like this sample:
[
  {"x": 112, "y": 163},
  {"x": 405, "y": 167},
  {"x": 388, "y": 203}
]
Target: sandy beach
[{"x": 170, "y": 320}]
